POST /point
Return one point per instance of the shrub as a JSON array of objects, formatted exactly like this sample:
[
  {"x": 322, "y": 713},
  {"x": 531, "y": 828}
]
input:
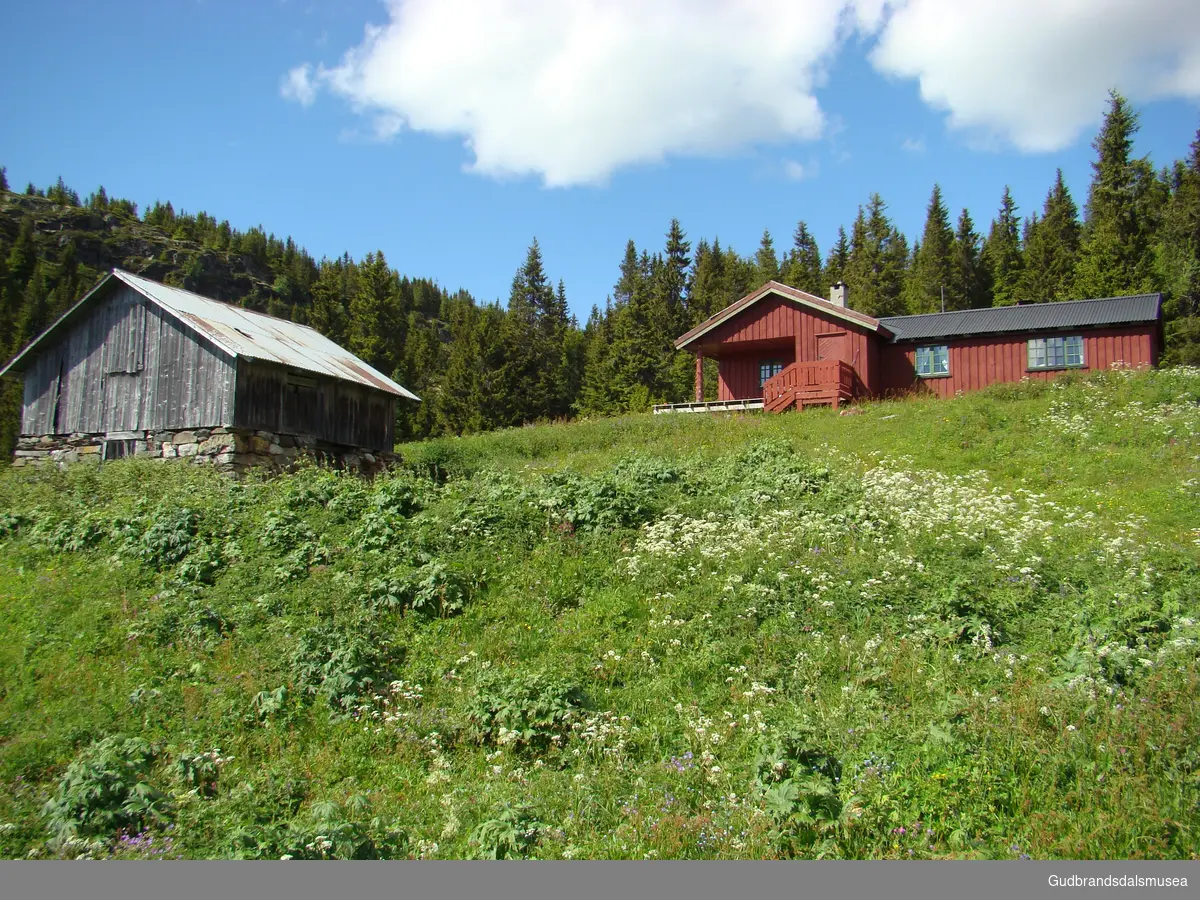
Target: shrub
[
  {"x": 169, "y": 538},
  {"x": 525, "y": 712},
  {"x": 106, "y": 788},
  {"x": 325, "y": 833},
  {"x": 345, "y": 667},
  {"x": 511, "y": 833}
]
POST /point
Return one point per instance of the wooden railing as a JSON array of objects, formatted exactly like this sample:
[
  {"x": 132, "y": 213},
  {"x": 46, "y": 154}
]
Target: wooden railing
[{"x": 823, "y": 381}]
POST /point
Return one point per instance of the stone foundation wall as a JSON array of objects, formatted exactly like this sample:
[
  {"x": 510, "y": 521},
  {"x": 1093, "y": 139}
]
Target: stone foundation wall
[{"x": 234, "y": 450}]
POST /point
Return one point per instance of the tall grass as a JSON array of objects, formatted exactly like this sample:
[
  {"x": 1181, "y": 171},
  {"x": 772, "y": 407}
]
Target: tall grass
[{"x": 962, "y": 628}]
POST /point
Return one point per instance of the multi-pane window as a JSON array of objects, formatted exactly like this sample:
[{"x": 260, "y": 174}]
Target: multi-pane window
[
  {"x": 934, "y": 360},
  {"x": 1056, "y": 352},
  {"x": 768, "y": 369}
]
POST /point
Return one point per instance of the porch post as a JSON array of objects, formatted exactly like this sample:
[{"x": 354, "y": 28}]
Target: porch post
[{"x": 699, "y": 377}]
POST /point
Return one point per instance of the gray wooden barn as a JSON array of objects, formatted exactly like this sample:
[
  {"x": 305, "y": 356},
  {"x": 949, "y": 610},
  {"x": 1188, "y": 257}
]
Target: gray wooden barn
[{"x": 138, "y": 367}]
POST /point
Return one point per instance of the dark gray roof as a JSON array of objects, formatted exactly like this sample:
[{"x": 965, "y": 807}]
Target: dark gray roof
[{"x": 1027, "y": 317}]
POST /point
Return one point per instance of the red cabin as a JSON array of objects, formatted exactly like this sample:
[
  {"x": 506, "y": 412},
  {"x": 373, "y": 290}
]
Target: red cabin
[{"x": 780, "y": 347}]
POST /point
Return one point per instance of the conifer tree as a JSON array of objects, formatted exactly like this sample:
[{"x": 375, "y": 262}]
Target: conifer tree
[
  {"x": 1051, "y": 248},
  {"x": 373, "y": 313},
  {"x": 968, "y": 288},
  {"x": 3, "y": 178},
  {"x": 803, "y": 267},
  {"x": 932, "y": 265},
  {"x": 1178, "y": 254},
  {"x": 835, "y": 262},
  {"x": 766, "y": 265},
  {"x": 1116, "y": 252},
  {"x": 1002, "y": 253},
  {"x": 877, "y": 262}
]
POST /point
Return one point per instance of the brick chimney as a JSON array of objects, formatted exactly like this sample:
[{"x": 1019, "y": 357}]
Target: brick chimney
[{"x": 837, "y": 294}]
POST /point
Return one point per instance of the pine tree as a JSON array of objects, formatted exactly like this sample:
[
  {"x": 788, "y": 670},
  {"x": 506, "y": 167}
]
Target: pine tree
[
  {"x": 373, "y": 314},
  {"x": 1116, "y": 252},
  {"x": 674, "y": 278},
  {"x": 766, "y": 265},
  {"x": 1002, "y": 253},
  {"x": 877, "y": 262},
  {"x": 1178, "y": 254},
  {"x": 3, "y": 178},
  {"x": 968, "y": 288},
  {"x": 835, "y": 262},
  {"x": 1052, "y": 248},
  {"x": 932, "y": 266},
  {"x": 803, "y": 267}
]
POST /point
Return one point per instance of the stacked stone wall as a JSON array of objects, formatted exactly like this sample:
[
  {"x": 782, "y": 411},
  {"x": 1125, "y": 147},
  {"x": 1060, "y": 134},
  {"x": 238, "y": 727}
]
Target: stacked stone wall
[{"x": 235, "y": 450}]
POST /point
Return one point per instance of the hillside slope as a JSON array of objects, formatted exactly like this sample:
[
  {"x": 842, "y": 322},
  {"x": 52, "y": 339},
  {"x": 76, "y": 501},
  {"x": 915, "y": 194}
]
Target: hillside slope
[{"x": 965, "y": 628}]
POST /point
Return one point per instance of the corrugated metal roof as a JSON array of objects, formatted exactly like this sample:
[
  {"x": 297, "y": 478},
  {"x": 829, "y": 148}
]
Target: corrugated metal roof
[
  {"x": 243, "y": 333},
  {"x": 1027, "y": 317}
]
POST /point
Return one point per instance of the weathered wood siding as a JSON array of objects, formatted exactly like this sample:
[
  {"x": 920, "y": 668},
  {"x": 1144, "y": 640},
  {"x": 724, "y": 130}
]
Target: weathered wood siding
[
  {"x": 127, "y": 366},
  {"x": 271, "y": 398},
  {"x": 977, "y": 362},
  {"x": 779, "y": 329}
]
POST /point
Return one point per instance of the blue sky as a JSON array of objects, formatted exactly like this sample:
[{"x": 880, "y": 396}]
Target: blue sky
[{"x": 252, "y": 112}]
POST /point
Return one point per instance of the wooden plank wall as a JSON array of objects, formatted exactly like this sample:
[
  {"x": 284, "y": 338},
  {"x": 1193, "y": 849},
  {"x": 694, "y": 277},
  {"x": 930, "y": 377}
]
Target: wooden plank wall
[
  {"x": 308, "y": 404},
  {"x": 977, "y": 362},
  {"x": 127, "y": 366},
  {"x": 776, "y": 328}
]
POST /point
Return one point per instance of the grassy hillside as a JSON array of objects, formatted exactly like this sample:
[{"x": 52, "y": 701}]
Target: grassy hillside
[{"x": 933, "y": 629}]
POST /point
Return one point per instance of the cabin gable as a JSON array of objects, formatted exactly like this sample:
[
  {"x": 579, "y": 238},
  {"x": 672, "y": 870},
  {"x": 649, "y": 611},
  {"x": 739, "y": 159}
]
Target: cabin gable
[{"x": 123, "y": 366}]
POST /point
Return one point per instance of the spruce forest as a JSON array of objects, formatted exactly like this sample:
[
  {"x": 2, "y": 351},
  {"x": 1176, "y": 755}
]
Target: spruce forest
[{"x": 484, "y": 365}]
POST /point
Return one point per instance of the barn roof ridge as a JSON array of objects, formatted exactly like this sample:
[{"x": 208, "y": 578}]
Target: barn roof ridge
[{"x": 237, "y": 332}]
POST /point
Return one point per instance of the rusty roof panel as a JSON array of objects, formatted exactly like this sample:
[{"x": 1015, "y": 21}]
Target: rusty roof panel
[{"x": 252, "y": 335}]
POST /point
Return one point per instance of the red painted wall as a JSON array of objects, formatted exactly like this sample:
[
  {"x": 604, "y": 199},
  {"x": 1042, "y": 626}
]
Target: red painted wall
[
  {"x": 977, "y": 362},
  {"x": 776, "y": 328}
]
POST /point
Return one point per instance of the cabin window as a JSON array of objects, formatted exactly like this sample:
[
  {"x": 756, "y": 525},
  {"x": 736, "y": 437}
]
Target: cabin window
[
  {"x": 1056, "y": 352},
  {"x": 768, "y": 369},
  {"x": 933, "y": 361}
]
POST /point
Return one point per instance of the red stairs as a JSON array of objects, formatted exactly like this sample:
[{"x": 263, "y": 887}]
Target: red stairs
[{"x": 826, "y": 382}]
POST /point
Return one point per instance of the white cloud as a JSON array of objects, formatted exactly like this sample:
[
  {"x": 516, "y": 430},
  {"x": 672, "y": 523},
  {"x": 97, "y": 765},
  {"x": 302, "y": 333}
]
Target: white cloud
[
  {"x": 298, "y": 85},
  {"x": 1034, "y": 73},
  {"x": 572, "y": 91},
  {"x": 913, "y": 145},
  {"x": 794, "y": 170}
]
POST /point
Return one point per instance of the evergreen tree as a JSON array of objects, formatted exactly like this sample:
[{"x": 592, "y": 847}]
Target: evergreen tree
[
  {"x": 968, "y": 288},
  {"x": 835, "y": 262},
  {"x": 932, "y": 265},
  {"x": 1001, "y": 254},
  {"x": 1178, "y": 256},
  {"x": 1051, "y": 248},
  {"x": 373, "y": 313},
  {"x": 877, "y": 262},
  {"x": 766, "y": 265},
  {"x": 3, "y": 178},
  {"x": 1116, "y": 252},
  {"x": 803, "y": 267}
]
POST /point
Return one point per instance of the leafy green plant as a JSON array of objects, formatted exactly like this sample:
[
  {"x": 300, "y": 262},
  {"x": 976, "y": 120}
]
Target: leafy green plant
[
  {"x": 511, "y": 833},
  {"x": 523, "y": 711},
  {"x": 325, "y": 833},
  {"x": 346, "y": 667},
  {"x": 106, "y": 788},
  {"x": 169, "y": 537}
]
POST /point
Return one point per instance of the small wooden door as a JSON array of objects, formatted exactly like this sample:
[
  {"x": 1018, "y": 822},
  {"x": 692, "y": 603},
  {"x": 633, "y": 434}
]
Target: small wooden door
[{"x": 831, "y": 346}]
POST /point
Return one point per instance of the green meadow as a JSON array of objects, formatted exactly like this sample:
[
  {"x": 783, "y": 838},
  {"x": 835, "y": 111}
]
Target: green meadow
[{"x": 929, "y": 629}]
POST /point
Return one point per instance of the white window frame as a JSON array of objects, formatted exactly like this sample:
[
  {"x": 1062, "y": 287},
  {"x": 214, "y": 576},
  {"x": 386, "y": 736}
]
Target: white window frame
[
  {"x": 1059, "y": 352},
  {"x": 774, "y": 366},
  {"x": 933, "y": 361}
]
